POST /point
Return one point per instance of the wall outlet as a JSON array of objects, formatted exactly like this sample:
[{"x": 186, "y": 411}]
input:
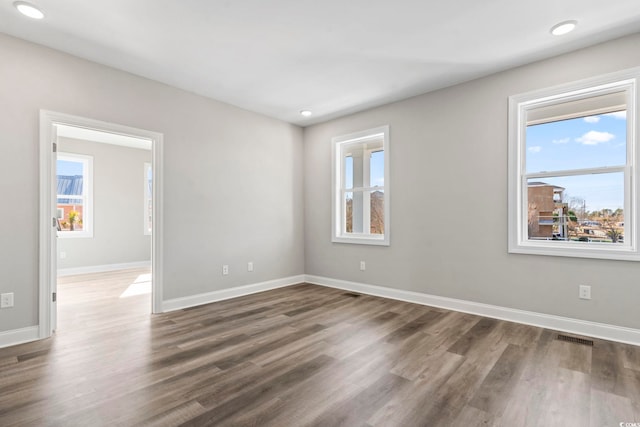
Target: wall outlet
[
  {"x": 63, "y": 255},
  {"x": 249, "y": 266},
  {"x": 363, "y": 266},
  {"x": 584, "y": 292},
  {"x": 225, "y": 270},
  {"x": 6, "y": 300}
]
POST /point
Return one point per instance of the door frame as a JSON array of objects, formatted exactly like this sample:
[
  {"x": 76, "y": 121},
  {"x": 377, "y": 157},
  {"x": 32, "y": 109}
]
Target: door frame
[{"x": 48, "y": 245}]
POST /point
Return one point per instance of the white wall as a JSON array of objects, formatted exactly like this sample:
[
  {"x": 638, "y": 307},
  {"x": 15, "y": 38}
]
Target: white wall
[
  {"x": 232, "y": 178},
  {"x": 449, "y": 201},
  {"x": 118, "y": 207}
]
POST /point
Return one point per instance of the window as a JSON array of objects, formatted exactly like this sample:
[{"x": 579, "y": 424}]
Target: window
[
  {"x": 361, "y": 187},
  {"x": 74, "y": 203},
  {"x": 573, "y": 184},
  {"x": 148, "y": 200}
]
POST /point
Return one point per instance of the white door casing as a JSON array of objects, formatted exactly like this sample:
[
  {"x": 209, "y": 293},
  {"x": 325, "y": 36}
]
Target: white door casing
[{"x": 47, "y": 319}]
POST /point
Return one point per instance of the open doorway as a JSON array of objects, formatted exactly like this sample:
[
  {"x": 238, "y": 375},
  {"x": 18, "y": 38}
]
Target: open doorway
[{"x": 100, "y": 198}]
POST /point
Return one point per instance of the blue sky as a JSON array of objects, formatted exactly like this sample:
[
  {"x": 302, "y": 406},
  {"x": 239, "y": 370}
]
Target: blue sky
[
  {"x": 65, "y": 167},
  {"x": 376, "y": 170},
  {"x": 586, "y": 142}
]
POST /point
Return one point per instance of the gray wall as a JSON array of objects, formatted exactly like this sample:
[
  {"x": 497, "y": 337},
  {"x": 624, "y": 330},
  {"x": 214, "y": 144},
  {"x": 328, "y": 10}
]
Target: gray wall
[
  {"x": 118, "y": 207},
  {"x": 449, "y": 200},
  {"x": 232, "y": 178},
  {"x": 234, "y": 188}
]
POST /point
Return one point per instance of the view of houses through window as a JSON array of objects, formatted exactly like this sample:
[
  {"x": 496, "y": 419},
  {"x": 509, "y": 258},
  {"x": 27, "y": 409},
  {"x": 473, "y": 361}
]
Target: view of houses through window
[
  {"x": 577, "y": 189},
  {"x": 73, "y": 183}
]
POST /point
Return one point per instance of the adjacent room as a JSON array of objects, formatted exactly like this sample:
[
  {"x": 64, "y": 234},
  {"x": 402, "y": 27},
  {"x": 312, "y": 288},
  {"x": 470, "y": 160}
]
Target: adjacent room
[
  {"x": 103, "y": 196},
  {"x": 320, "y": 214}
]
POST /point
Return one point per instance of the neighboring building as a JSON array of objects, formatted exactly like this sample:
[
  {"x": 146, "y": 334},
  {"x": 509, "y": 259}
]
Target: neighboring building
[
  {"x": 69, "y": 185},
  {"x": 548, "y": 217}
]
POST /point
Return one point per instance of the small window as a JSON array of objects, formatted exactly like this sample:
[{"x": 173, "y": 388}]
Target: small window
[
  {"x": 361, "y": 187},
  {"x": 74, "y": 198},
  {"x": 148, "y": 198},
  {"x": 572, "y": 179}
]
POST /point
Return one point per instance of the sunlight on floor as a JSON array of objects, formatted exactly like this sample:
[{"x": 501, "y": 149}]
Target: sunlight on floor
[{"x": 141, "y": 286}]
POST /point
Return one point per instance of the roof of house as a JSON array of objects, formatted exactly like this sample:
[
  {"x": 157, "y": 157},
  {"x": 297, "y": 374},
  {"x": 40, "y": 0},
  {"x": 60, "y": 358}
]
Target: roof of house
[
  {"x": 70, "y": 184},
  {"x": 544, "y": 184}
]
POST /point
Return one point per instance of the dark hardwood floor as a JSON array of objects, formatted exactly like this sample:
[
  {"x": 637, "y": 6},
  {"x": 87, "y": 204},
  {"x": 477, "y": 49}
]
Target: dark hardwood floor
[{"x": 304, "y": 356}]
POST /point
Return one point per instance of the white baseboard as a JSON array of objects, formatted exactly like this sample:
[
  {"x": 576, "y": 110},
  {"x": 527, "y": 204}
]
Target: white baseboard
[
  {"x": 565, "y": 324},
  {"x": 101, "y": 268},
  {"x": 18, "y": 336},
  {"x": 223, "y": 294},
  {"x": 558, "y": 323}
]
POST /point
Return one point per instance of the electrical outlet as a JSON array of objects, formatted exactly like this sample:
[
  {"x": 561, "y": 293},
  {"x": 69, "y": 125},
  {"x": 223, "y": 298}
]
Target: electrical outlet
[
  {"x": 584, "y": 292},
  {"x": 63, "y": 255},
  {"x": 250, "y": 266},
  {"x": 6, "y": 300},
  {"x": 363, "y": 266},
  {"x": 225, "y": 270}
]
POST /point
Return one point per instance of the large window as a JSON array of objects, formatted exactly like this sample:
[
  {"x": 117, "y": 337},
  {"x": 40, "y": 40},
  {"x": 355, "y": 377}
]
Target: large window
[
  {"x": 572, "y": 179},
  {"x": 361, "y": 187},
  {"x": 74, "y": 198}
]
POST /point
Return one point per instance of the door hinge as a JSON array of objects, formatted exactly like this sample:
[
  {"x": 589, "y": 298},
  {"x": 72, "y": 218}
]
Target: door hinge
[
  {"x": 54, "y": 222},
  {"x": 55, "y": 147},
  {"x": 54, "y": 296}
]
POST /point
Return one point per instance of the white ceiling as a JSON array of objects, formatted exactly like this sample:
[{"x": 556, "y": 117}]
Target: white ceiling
[{"x": 333, "y": 57}]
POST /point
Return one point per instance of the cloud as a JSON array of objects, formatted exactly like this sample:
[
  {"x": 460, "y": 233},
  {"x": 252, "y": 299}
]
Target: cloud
[
  {"x": 592, "y": 119},
  {"x": 618, "y": 115},
  {"x": 561, "y": 141},
  {"x": 594, "y": 137},
  {"x": 535, "y": 149}
]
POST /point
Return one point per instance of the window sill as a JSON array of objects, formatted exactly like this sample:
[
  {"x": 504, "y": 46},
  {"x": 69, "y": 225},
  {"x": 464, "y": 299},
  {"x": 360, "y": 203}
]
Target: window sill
[
  {"x": 75, "y": 235},
  {"x": 578, "y": 250},
  {"x": 361, "y": 240}
]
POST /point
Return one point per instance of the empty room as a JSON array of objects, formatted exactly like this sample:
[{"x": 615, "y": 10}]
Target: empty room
[{"x": 292, "y": 213}]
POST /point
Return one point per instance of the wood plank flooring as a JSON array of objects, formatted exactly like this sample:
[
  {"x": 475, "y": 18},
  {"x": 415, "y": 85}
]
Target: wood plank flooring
[{"x": 304, "y": 355}]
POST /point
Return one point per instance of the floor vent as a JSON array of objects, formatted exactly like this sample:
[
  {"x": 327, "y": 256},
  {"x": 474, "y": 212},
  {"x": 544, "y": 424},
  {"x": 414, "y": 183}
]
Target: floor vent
[
  {"x": 351, "y": 294},
  {"x": 575, "y": 340}
]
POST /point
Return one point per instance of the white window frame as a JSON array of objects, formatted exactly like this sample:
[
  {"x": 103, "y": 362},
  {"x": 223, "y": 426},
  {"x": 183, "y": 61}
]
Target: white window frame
[
  {"x": 519, "y": 105},
  {"x": 146, "y": 225},
  {"x": 87, "y": 195},
  {"x": 338, "y": 207}
]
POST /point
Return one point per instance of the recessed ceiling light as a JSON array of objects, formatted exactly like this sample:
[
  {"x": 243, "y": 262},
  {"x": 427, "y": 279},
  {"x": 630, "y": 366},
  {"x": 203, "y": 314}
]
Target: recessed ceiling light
[
  {"x": 306, "y": 113},
  {"x": 29, "y": 10},
  {"x": 563, "y": 28}
]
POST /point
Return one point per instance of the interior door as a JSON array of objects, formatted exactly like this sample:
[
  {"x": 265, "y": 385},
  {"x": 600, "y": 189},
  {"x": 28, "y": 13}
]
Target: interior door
[{"x": 54, "y": 228}]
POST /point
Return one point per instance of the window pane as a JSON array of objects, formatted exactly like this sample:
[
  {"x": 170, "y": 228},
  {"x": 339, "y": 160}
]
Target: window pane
[
  {"x": 348, "y": 205},
  {"x": 377, "y": 212},
  {"x": 70, "y": 214},
  {"x": 70, "y": 184},
  {"x": 348, "y": 172},
  {"x": 70, "y": 201},
  {"x": 68, "y": 167},
  {"x": 585, "y": 142},
  {"x": 588, "y": 208},
  {"x": 148, "y": 198},
  {"x": 377, "y": 169}
]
